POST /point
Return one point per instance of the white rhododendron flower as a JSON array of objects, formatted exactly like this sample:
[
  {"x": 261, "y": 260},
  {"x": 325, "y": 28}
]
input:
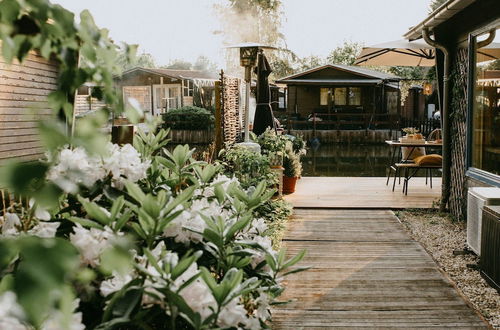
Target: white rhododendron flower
[
  {"x": 125, "y": 162},
  {"x": 74, "y": 166},
  {"x": 45, "y": 229},
  {"x": 10, "y": 312},
  {"x": 91, "y": 243},
  {"x": 40, "y": 212},
  {"x": 232, "y": 315},
  {"x": 10, "y": 222},
  {"x": 259, "y": 255},
  {"x": 115, "y": 283},
  {"x": 197, "y": 294},
  {"x": 263, "y": 308},
  {"x": 57, "y": 320}
]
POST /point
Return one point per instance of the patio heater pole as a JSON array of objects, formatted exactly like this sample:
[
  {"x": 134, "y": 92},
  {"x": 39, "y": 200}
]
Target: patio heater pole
[{"x": 248, "y": 81}]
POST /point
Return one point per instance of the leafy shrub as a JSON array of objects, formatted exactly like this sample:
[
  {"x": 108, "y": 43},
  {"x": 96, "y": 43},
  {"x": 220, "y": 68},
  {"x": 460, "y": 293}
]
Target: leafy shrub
[
  {"x": 161, "y": 240},
  {"x": 188, "y": 118},
  {"x": 248, "y": 166}
]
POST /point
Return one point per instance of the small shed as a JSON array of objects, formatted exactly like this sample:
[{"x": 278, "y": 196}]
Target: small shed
[
  {"x": 342, "y": 89},
  {"x": 24, "y": 88},
  {"x": 158, "y": 90}
]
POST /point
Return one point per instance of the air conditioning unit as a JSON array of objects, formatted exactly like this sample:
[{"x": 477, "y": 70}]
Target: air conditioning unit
[{"x": 477, "y": 198}]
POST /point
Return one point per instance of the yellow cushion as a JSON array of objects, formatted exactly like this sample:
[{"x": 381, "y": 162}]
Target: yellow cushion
[{"x": 432, "y": 159}]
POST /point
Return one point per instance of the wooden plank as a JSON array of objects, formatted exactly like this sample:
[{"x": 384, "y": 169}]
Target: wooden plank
[
  {"x": 19, "y": 138},
  {"x": 18, "y": 131},
  {"x": 23, "y": 90},
  {"x": 23, "y": 104},
  {"x": 28, "y": 84},
  {"x": 16, "y": 125},
  {"x": 25, "y": 76},
  {"x": 22, "y": 97},
  {"x": 25, "y": 118},
  {"x": 366, "y": 273},
  {"x": 18, "y": 146},
  {"x": 33, "y": 152},
  {"x": 25, "y": 69},
  {"x": 25, "y": 111},
  {"x": 369, "y": 192}
]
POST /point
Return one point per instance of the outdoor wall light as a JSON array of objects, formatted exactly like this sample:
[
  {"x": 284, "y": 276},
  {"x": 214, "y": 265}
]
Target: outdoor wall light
[{"x": 248, "y": 59}]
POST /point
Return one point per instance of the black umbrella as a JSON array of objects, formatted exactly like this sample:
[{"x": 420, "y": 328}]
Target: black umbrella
[{"x": 264, "y": 117}]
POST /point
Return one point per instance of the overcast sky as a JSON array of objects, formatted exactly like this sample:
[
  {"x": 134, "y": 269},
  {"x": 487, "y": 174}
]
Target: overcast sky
[{"x": 183, "y": 29}]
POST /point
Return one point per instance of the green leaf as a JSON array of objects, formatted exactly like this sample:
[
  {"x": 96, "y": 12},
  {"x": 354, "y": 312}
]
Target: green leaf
[
  {"x": 46, "y": 266},
  {"x": 134, "y": 191},
  {"x": 95, "y": 211},
  {"x": 295, "y": 259},
  {"x": 296, "y": 270},
  {"x": 85, "y": 222},
  {"x": 23, "y": 178},
  {"x": 271, "y": 262}
]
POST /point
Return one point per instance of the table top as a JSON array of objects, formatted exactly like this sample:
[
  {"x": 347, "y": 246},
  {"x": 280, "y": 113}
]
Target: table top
[{"x": 414, "y": 144}]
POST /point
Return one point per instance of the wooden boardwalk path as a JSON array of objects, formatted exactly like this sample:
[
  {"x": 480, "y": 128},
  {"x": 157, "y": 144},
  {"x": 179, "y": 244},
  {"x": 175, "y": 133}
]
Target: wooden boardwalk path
[
  {"x": 367, "y": 192},
  {"x": 366, "y": 273}
]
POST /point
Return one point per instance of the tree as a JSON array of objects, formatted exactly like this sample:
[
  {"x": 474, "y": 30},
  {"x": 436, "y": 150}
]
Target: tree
[
  {"x": 128, "y": 58},
  {"x": 345, "y": 54},
  {"x": 202, "y": 63},
  {"x": 435, "y": 4},
  {"x": 179, "y": 65},
  {"x": 310, "y": 62},
  {"x": 256, "y": 21}
]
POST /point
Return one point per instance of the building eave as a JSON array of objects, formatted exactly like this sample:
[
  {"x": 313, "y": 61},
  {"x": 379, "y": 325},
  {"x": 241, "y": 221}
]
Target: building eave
[{"x": 440, "y": 15}]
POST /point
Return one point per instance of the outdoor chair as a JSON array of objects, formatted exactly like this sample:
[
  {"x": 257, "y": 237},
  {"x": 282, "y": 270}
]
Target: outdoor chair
[{"x": 427, "y": 163}]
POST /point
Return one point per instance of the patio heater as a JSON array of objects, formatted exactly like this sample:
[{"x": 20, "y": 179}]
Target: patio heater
[{"x": 248, "y": 59}]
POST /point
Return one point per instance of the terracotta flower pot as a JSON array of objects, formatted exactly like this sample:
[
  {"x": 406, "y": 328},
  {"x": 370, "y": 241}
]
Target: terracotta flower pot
[{"x": 289, "y": 184}]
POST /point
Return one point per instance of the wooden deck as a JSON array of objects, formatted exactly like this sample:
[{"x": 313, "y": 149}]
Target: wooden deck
[
  {"x": 363, "y": 192},
  {"x": 366, "y": 273}
]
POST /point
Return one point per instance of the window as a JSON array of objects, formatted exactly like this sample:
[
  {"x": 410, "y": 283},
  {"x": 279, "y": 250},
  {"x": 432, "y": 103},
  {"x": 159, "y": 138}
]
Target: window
[
  {"x": 188, "y": 87},
  {"x": 354, "y": 96},
  {"x": 323, "y": 96},
  {"x": 485, "y": 113},
  {"x": 340, "y": 97}
]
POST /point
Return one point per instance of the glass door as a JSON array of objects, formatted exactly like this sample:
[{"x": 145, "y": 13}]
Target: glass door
[{"x": 166, "y": 97}]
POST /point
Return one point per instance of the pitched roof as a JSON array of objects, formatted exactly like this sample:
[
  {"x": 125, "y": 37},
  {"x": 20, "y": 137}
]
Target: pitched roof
[
  {"x": 178, "y": 74},
  {"x": 347, "y": 68}
]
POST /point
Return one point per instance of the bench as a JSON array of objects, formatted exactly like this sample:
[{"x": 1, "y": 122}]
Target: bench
[{"x": 408, "y": 173}]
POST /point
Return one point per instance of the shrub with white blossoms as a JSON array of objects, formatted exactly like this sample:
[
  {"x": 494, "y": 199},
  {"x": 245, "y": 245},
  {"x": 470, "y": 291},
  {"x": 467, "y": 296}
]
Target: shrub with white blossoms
[
  {"x": 159, "y": 240},
  {"x": 75, "y": 167}
]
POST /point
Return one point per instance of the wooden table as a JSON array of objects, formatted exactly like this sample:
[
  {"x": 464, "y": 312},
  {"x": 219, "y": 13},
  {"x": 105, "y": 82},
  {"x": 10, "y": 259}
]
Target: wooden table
[{"x": 396, "y": 153}]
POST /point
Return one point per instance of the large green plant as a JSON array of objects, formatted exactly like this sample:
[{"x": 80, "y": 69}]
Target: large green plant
[{"x": 189, "y": 118}]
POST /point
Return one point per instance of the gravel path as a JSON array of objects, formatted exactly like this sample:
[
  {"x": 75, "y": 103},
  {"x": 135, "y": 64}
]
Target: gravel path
[{"x": 440, "y": 236}]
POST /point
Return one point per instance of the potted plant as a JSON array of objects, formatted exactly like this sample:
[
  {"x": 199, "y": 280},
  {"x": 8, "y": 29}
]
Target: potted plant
[{"x": 292, "y": 169}]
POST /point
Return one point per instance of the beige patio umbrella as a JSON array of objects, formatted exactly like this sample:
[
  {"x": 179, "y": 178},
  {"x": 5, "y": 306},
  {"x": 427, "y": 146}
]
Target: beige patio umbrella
[{"x": 412, "y": 53}]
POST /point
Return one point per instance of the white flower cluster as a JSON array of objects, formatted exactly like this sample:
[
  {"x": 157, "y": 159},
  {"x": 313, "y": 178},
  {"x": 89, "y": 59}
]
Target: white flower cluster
[
  {"x": 91, "y": 243},
  {"x": 76, "y": 167},
  {"x": 12, "y": 314},
  {"x": 10, "y": 223}
]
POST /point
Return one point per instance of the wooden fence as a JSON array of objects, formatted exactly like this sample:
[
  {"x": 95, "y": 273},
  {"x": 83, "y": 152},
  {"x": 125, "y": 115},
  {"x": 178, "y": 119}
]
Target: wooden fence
[
  {"x": 359, "y": 121},
  {"x": 23, "y": 102}
]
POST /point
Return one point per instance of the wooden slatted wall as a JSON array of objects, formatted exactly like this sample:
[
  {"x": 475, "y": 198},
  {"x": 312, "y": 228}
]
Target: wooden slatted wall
[{"x": 23, "y": 101}]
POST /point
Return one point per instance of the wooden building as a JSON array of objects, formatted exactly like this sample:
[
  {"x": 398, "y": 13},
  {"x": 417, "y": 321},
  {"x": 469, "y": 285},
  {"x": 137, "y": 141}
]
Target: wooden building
[
  {"x": 158, "y": 90},
  {"x": 471, "y": 124},
  {"x": 341, "y": 89},
  {"x": 23, "y": 102}
]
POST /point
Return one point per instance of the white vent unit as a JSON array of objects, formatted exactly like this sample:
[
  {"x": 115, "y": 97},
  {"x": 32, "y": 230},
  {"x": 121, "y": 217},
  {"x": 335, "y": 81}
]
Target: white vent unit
[{"x": 477, "y": 198}]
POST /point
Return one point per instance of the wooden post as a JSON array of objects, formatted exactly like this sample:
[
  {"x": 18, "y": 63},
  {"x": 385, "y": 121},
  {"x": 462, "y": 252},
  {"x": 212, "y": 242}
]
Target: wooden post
[{"x": 218, "y": 117}]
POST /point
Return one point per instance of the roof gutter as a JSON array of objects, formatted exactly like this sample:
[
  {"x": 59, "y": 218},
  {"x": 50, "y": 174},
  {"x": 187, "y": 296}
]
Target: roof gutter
[
  {"x": 445, "y": 126},
  {"x": 443, "y": 13}
]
